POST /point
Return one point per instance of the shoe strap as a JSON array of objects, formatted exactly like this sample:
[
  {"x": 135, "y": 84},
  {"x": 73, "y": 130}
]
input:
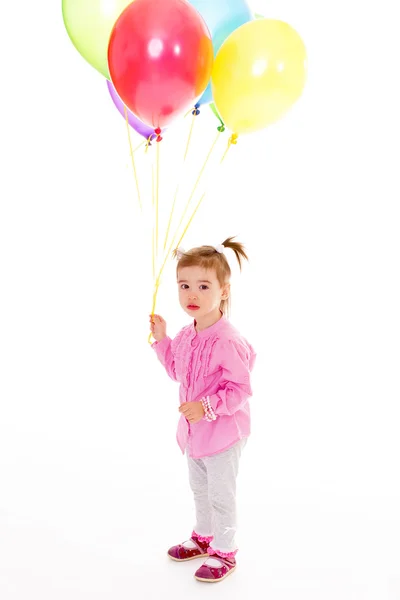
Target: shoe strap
[
  {"x": 225, "y": 561},
  {"x": 199, "y": 548}
]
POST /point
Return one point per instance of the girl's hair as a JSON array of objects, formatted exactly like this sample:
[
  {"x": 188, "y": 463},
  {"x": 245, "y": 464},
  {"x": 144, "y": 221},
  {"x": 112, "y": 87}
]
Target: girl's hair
[{"x": 207, "y": 257}]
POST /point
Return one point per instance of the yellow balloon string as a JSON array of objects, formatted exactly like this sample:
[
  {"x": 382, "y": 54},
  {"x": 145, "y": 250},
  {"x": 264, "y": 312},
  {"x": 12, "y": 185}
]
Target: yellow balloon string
[
  {"x": 158, "y": 280},
  {"x": 190, "y": 136},
  {"x": 190, "y": 199},
  {"x": 148, "y": 142},
  {"x": 233, "y": 140},
  {"x": 202, "y": 169},
  {"x": 177, "y": 187},
  {"x": 170, "y": 217},
  {"x": 153, "y": 236},
  {"x": 137, "y": 147},
  {"x": 154, "y": 306},
  {"x": 191, "y": 219},
  {"x": 132, "y": 158},
  {"x": 188, "y": 113},
  {"x": 157, "y": 193}
]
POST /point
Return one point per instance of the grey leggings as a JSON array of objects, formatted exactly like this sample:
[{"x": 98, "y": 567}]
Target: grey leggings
[{"x": 213, "y": 483}]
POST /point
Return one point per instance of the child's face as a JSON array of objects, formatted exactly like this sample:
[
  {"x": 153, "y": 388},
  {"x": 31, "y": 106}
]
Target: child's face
[{"x": 200, "y": 292}]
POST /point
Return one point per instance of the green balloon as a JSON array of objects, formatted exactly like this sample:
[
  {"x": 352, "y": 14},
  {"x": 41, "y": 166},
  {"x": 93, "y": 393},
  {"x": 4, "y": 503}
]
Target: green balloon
[
  {"x": 214, "y": 109},
  {"x": 89, "y": 24}
]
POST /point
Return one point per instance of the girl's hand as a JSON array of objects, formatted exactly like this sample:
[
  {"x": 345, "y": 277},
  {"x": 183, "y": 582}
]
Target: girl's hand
[
  {"x": 193, "y": 411},
  {"x": 158, "y": 327}
]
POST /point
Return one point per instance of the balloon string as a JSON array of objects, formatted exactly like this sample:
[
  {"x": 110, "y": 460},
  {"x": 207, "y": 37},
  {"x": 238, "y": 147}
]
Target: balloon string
[
  {"x": 202, "y": 197},
  {"x": 158, "y": 280},
  {"x": 137, "y": 147},
  {"x": 170, "y": 216},
  {"x": 132, "y": 158},
  {"x": 157, "y": 193},
  {"x": 191, "y": 219},
  {"x": 157, "y": 283},
  {"x": 153, "y": 236},
  {"x": 153, "y": 245},
  {"x": 203, "y": 168},
  {"x": 190, "y": 136},
  {"x": 188, "y": 202},
  {"x": 178, "y": 184},
  {"x": 153, "y": 308}
]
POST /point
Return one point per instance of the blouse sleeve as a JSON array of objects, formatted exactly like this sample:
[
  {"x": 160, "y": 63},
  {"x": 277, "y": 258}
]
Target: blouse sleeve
[
  {"x": 165, "y": 356},
  {"x": 237, "y": 361}
]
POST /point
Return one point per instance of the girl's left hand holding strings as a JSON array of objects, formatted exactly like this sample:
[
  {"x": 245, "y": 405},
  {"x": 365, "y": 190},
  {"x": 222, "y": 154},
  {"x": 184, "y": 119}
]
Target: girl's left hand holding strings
[{"x": 193, "y": 411}]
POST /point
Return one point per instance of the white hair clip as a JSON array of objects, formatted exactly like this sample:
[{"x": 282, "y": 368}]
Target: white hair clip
[
  {"x": 179, "y": 252},
  {"x": 220, "y": 248}
]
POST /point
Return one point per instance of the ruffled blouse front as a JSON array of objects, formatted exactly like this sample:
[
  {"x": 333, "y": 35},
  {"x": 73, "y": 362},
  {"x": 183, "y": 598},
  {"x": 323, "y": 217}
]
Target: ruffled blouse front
[{"x": 214, "y": 363}]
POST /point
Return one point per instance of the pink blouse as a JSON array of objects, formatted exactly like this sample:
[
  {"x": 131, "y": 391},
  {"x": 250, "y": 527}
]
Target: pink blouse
[{"x": 213, "y": 364}]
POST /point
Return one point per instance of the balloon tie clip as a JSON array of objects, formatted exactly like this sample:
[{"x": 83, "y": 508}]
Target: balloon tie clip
[{"x": 158, "y": 134}]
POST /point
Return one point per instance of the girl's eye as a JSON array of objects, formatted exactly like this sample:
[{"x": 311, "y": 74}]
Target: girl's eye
[{"x": 184, "y": 286}]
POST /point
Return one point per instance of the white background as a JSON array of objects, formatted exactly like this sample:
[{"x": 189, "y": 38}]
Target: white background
[{"x": 93, "y": 487}]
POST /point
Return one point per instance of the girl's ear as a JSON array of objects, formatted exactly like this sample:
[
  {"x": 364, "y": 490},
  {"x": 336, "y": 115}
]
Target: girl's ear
[{"x": 226, "y": 291}]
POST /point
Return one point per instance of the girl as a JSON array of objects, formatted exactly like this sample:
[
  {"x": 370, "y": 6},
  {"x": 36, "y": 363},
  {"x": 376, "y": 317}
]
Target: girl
[{"x": 212, "y": 363}]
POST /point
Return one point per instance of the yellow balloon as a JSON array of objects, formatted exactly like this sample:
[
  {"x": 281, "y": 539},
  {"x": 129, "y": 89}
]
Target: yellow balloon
[{"x": 258, "y": 74}]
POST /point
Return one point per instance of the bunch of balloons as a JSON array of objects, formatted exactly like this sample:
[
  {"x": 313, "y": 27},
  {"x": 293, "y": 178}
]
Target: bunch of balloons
[{"x": 163, "y": 57}]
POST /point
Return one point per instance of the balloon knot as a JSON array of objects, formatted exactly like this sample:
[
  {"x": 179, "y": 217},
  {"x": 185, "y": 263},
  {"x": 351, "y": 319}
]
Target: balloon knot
[
  {"x": 221, "y": 128},
  {"x": 158, "y": 134},
  {"x": 233, "y": 139},
  {"x": 196, "y": 111}
]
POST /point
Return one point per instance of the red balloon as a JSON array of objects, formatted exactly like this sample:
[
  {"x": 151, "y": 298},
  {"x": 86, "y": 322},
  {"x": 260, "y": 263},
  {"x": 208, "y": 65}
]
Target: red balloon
[{"x": 160, "y": 57}]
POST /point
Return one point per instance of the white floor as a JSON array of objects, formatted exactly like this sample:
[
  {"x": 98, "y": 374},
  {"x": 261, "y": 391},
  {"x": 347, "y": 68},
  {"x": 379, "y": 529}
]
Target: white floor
[{"x": 69, "y": 531}]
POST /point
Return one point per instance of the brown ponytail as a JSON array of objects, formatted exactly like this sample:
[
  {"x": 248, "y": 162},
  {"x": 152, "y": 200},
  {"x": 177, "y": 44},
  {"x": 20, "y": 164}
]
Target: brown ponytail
[{"x": 238, "y": 249}]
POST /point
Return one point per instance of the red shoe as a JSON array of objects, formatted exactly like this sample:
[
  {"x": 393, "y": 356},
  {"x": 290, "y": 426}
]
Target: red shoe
[
  {"x": 211, "y": 574},
  {"x": 181, "y": 553}
]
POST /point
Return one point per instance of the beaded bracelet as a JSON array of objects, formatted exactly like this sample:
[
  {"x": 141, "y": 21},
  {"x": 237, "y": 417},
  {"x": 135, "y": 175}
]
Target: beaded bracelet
[{"x": 209, "y": 413}]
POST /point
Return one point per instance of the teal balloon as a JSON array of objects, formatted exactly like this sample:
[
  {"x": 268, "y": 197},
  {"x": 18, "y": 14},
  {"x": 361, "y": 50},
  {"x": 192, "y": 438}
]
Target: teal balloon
[{"x": 222, "y": 18}]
